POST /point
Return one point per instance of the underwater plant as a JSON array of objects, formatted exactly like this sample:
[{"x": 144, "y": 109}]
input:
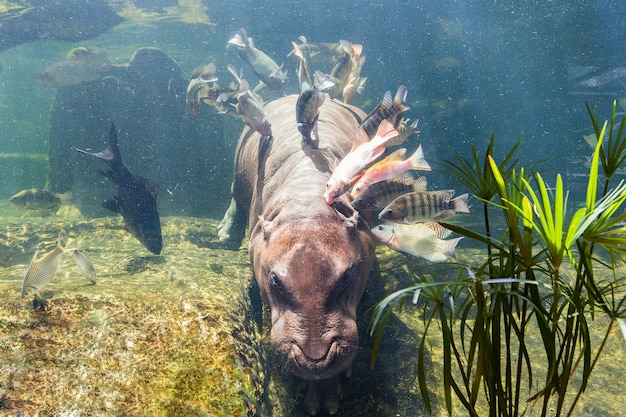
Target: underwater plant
[{"x": 543, "y": 279}]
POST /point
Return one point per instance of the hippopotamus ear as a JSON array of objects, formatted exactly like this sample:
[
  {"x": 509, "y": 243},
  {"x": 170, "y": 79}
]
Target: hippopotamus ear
[
  {"x": 346, "y": 213},
  {"x": 266, "y": 227}
]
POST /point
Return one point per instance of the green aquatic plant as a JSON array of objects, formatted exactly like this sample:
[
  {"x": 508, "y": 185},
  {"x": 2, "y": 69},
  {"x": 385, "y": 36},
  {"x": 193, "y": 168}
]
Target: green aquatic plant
[{"x": 542, "y": 280}]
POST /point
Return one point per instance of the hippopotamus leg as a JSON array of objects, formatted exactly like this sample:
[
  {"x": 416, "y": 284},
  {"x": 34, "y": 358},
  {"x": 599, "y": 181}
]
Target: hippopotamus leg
[
  {"x": 232, "y": 228},
  {"x": 322, "y": 395}
]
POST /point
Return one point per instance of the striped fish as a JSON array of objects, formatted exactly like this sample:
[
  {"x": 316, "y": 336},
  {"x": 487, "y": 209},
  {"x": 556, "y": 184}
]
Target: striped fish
[
  {"x": 424, "y": 206},
  {"x": 388, "y": 109},
  {"x": 41, "y": 271},
  {"x": 379, "y": 194}
]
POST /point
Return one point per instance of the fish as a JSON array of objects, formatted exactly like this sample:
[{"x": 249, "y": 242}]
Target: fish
[
  {"x": 379, "y": 194},
  {"x": 308, "y": 106},
  {"x": 347, "y": 61},
  {"x": 363, "y": 153},
  {"x": 136, "y": 197},
  {"x": 38, "y": 199},
  {"x": 41, "y": 271},
  {"x": 80, "y": 67},
  {"x": 304, "y": 73},
  {"x": 263, "y": 66},
  {"x": 354, "y": 86},
  {"x": 405, "y": 131},
  {"x": 388, "y": 108},
  {"x": 391, "y": 167},
  {"x": 250, "y": 107},
  {"x": 424, "y": 206},
  {"x": 613, "y": 78},
  {"x": 424, "y": 240},
  {"x": 84, "y": 265},
  {"x": 198, "y": 87}
]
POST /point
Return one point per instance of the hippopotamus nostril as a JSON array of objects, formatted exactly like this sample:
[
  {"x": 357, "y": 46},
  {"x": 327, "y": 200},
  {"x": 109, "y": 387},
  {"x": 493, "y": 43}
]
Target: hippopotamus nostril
[{"x": 318, "y": 351}]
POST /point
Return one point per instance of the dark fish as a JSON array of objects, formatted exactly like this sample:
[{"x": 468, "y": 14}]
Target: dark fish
[
  {"x": 379, "y": 194},
  {"x": 389, "y": 109},
  {"x": 41, "y": 271},
  {"x": 38, "y": 199},
  {"x": 424, "y": 206},
  {"x": 308, "y": 106},
  {"x": 136, "y": 197}
]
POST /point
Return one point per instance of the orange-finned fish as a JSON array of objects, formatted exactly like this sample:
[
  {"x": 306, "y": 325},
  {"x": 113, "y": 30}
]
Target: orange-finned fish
[
  {"x": 362, "y": 154},
  {"x": 424, "y": 206},
  {"x": 378, "y": 195},
  {"x": 41, "y": 271},
  {"x": 424, "y": 240},
  {"x": 389, "y": 168}
]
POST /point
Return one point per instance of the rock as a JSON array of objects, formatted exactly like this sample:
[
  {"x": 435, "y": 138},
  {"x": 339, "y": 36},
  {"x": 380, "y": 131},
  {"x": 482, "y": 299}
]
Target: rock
[{"x": 69, "y": 20}]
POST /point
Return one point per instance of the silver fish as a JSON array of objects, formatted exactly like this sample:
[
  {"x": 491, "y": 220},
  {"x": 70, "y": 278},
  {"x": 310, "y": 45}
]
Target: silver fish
[
  {"x": 84, "y": 265},
  {"x": 41, "y": 271},
  {"x": 424, "y": 206},
  {"x": 424, "y": 240},
  {"x": 250, "y": 107},
  {"x": 78, "y": 68},
  {"x": 263, "y": 66}
]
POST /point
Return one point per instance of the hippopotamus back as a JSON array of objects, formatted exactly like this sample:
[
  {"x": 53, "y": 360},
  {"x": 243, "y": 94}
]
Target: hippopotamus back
[{"x": 310, "y": 260}]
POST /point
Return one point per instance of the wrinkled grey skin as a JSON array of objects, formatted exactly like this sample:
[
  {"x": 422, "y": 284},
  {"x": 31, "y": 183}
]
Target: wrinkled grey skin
[{"x": 311, "y": 260}]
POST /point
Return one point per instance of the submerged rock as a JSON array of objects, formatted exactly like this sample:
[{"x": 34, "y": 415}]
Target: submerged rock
[{"x": 69, "y": 20}]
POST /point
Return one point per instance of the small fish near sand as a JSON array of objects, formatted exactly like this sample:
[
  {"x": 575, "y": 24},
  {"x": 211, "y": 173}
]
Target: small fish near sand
[
  {"x": 424, "y": 240},
  {"x": 39, "y": 199},
  {"x": 41, "y": 271},
  {"x": 136, "y": 197},
  {"x": 84, "y": 265}
]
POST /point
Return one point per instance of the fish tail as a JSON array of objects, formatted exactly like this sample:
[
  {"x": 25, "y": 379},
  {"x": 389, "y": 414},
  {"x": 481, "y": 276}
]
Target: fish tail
[
  {"x": 417, "y": 160},
  {"x": 240, "y": 39},
  {"x": 111, "y": 153},
  {"x": 460, "y": 203},
  {"x": 400, "y": 99},
  {"x": 451, "y": 247}
]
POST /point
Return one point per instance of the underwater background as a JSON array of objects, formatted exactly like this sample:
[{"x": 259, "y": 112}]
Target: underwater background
[{"x": 162, "y": 335}]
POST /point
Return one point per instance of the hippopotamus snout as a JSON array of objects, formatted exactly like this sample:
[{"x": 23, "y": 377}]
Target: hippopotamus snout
[{"x": 315, "y": 348}]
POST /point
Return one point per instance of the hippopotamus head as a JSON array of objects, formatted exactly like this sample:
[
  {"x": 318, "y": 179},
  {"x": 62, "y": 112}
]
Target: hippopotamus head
[{"x": 312, "y": 274}]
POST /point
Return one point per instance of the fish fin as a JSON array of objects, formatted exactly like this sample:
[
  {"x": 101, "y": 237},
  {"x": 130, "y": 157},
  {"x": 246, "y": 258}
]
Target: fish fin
[
  {"x": 113, "y": 205},
  {"x": 451, "y": 247},
  {"x": 420, "y": 184},
  {"x": 357, "y": 49},
  {"x": 417, "y": 160},
  {"x": 360, "y": 138},
  {"x": 240, "y": 39},
  {"x": 66, "y": 196},
  {"x": 151, "y": 187},
  {"x": 446, "y": 214},
  {"x": 323, "y": 81},
  {"x": 296, "y": 51},
  {"x": 400, "y": 99},
  {"x": 233, "y": 71},
  {"x": 460, "y": 203},
  {"x": 386, "y": 132}
]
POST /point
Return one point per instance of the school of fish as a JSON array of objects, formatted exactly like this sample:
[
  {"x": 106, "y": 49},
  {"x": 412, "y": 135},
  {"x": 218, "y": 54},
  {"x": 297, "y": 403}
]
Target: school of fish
[{"x": 376, "y": 172}]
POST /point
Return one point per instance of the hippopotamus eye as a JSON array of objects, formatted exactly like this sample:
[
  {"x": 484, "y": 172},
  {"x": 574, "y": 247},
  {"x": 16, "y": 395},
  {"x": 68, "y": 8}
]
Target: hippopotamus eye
[{"x": 275, "y": 282}]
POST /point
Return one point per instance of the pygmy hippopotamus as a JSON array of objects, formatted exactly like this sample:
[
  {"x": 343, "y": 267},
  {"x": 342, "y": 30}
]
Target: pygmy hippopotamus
[{"x": 310, "y": 260}]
